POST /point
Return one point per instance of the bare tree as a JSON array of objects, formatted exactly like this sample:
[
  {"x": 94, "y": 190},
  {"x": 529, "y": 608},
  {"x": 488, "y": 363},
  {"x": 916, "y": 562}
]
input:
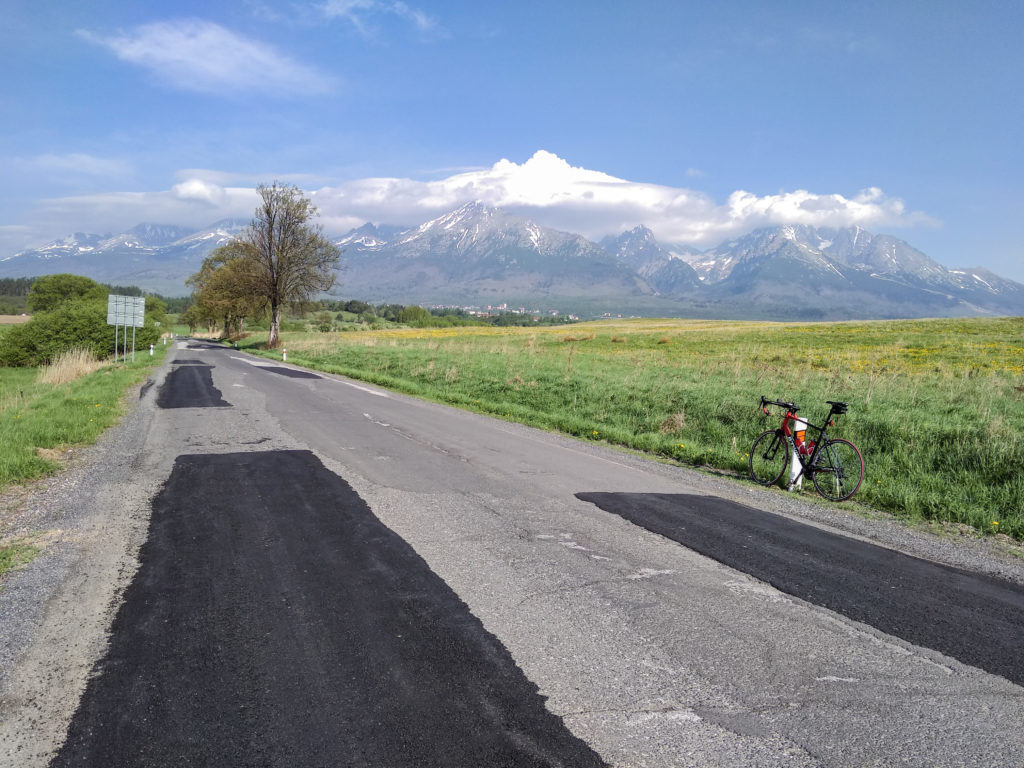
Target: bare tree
[{"x": 286, "y": 257}]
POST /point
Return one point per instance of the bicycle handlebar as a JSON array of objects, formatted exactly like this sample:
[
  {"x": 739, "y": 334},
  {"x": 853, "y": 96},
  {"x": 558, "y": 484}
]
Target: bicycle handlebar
[
  {"x": 838, "y": 408},
  {"x": 788, "y": 406}
]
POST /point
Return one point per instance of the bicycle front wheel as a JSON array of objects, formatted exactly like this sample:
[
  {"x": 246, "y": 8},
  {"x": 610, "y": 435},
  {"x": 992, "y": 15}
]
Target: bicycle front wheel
[
  {"x": 838, "y": 470},
  {"x": 769, "y": 457}
]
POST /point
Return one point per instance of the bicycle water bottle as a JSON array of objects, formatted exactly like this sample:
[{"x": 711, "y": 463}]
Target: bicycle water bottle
[{"x": 799, "y": 433}]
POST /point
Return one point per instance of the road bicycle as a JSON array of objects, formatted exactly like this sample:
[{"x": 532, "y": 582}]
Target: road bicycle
[{"x": 834, "y": 465}]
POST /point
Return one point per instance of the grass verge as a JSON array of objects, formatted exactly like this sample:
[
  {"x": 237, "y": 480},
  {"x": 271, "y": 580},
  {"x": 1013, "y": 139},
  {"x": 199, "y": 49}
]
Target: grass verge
[
  {"x": 40, "y": 420},
  {"x": 936, "y": 406},
  {"x": 16, "y": 554}
]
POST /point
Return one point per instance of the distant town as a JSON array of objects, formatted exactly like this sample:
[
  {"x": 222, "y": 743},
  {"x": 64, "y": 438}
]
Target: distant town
[{"x": 494, "y": 310}]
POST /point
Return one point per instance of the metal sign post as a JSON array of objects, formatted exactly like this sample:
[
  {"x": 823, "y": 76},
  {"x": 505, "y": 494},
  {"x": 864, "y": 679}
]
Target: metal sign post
[{"x": 125, "y": 311}]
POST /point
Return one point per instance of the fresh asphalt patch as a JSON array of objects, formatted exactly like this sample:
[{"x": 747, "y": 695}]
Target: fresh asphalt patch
[
  {"x": 292, "y": 373},
  {"x": 974, "y": 618},
  {"x": 275, "y": 621},
  {"x": 190, "y": 386}
]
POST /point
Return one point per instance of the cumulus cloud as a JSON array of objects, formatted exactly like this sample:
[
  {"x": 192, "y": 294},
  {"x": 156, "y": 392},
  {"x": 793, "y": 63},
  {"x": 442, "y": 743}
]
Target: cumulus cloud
[
  {"x": 545, "y": 188},
  {"x": 553, "y": 192},
  {"x": 202, "y": 191},
  {"x": 198, "y": 55}
]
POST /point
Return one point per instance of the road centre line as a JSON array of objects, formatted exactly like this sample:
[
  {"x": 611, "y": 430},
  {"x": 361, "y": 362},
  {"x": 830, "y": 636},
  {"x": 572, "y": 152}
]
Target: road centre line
[
  {"x": 255, "y": 363},
  {"x": 261, "y": 364}
]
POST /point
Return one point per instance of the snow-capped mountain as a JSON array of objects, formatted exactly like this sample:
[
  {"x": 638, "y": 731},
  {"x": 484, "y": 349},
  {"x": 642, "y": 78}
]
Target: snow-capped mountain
[
  {"x": 478, "y": 254},
  {"x": 151, "y": 256},
  {"x": 665, "y": 267},
  {"x": 368, "y": 236},
  {"x": 809, "y": 272}
]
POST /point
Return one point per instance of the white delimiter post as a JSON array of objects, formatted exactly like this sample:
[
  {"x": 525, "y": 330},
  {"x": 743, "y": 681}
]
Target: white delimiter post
[
  {"x": 794, "y": 471},
  {"x": 284, "y": 355}
]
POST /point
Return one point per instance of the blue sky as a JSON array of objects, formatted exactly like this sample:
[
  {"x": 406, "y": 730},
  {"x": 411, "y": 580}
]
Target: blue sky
[{"x": 701, "y": 120}]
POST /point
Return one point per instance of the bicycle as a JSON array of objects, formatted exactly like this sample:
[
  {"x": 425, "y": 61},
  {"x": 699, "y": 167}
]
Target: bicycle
[{"x": 834, "y": 465}]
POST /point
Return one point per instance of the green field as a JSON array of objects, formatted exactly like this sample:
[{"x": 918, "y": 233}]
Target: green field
[
  {"x": 38, "y": 422},
  {"x": 936, "y": 406}
]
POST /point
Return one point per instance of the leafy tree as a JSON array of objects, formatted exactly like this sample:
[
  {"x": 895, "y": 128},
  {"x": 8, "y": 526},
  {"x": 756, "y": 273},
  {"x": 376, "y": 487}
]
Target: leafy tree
[
  {"x": 285, "y": 258},
  {"x": 156, "y": 309},
  {"x": 15, "y": 286},
  {"x": 390, "y": 311},
  {"x": 50, "y": 291},
  {"x": 176, "y": 304},
  {"x": 222, "y": 289},
  {"x": 415, "y": 316},
  {"x": 357, "y": 307},
  {"x": 192, "y": 317}
]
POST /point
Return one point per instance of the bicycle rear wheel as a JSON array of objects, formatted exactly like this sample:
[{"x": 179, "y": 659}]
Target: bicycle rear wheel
[
  {"x": 769, "y": 457},
  {"x": 838, "y": 470}
]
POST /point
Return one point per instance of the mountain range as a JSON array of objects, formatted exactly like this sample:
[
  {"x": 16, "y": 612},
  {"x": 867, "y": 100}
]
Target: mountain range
[{"x": 478, "y": 255}]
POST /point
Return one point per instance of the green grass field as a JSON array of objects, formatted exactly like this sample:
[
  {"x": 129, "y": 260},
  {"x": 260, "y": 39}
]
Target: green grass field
[
  {"x": 936, "y": 406},
  {"x": 38, "y": 421}
]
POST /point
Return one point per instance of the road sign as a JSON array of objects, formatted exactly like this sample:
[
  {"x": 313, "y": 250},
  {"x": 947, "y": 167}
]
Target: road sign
[{"x": 126, "y": 310}]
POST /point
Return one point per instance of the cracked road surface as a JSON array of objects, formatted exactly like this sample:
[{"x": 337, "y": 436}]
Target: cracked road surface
[{"x": 332, "y": 574}]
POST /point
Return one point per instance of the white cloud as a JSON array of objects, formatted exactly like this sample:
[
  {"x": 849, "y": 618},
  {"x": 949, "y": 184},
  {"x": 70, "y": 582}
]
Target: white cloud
[
  {"x": 551, "y": 191},
  {"x": 197, "y": 55},
  {"x": 201, "y": 191},
  {"x": 358, "y": 12},
  {"x": 192, "y": 203},
  {"x": 545, "y": 188},
  {"x": 420, "y": 20},
  {"x": 77, "y": 163}
]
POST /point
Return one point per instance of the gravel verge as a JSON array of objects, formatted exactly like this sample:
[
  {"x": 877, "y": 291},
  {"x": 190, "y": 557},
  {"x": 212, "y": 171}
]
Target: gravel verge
[{"x": 91, "y": 520}]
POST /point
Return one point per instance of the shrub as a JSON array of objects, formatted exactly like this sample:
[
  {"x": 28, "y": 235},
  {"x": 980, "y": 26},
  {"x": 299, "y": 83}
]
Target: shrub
[
  {"x": 50, "y": 292},
  {"x": 77, "y": 324}
]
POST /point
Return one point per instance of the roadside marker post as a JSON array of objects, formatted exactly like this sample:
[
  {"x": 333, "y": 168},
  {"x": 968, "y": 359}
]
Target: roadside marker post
[
  {"x": 796, "y": 480},
  {"x": 284, "y": 355}
]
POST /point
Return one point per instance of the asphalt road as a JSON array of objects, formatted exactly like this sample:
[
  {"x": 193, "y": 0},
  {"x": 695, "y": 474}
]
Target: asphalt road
[
  {"x": 336, "y": 575},
  {"x": 280, "y": 623},
  {"x": 974, "y": 618}
]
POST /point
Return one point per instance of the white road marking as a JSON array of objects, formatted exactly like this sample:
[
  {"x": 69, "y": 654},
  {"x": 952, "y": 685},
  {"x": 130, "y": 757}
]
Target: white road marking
[
  {"x": 367, "y": 390},
  {"x": 648, "y": 573},
  {"x": 255, "y": 363},
  {"x": 375, "y": 421},
  {"x": 261, "y": 364}
]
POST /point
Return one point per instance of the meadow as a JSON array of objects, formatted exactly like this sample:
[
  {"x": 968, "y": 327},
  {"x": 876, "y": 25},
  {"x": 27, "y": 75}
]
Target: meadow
[
  {"x": 46, "y": 411},
  {"x": 936, "y": 406}
]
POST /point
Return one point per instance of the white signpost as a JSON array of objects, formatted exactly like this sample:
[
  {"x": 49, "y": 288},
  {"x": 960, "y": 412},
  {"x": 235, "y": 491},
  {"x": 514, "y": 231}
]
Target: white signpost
[{"x": 123, "y": 311}]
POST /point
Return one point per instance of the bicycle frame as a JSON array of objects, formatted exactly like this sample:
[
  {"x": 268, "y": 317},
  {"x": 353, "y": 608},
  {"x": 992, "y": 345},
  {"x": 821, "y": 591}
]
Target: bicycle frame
[{"x": 806, "y": 460}]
